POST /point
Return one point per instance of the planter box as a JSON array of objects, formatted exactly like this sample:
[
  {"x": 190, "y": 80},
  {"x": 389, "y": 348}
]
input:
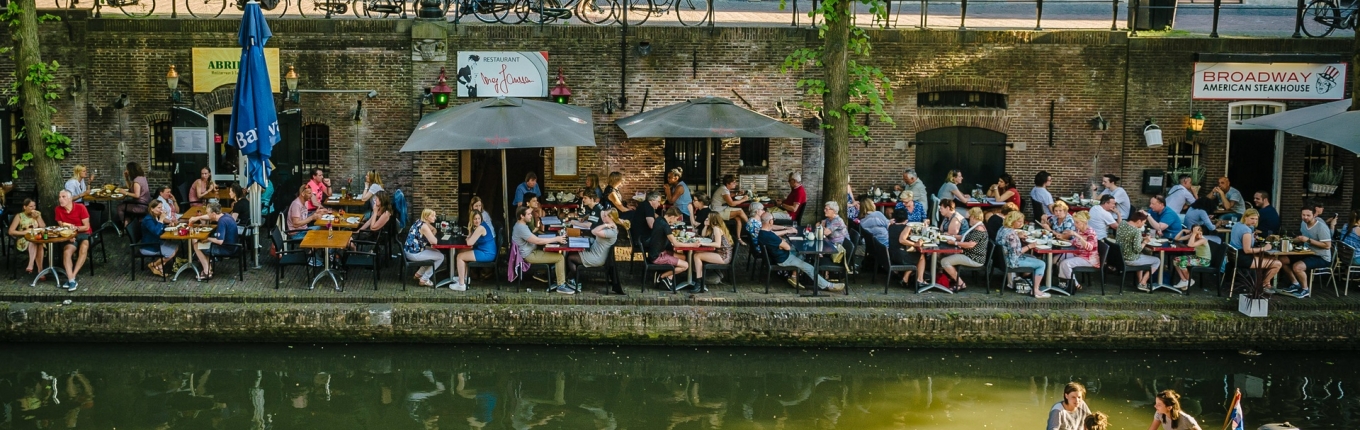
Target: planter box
[
  {"x": 1322, "y": 189},
  {"x": 1252, "y": 307}
]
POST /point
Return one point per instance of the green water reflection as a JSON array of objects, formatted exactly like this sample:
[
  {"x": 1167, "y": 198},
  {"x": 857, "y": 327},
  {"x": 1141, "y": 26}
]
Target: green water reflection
[{"x": 334, "y": 387}]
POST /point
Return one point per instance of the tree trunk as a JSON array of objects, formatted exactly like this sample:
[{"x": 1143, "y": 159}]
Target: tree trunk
[
  {"x": 834, "y": 55},
  {"x": 47, "y": 174}
]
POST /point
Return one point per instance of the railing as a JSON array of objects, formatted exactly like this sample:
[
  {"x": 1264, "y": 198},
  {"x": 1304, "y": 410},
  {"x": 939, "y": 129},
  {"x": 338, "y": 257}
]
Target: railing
[{"x": 702, "y": 12}]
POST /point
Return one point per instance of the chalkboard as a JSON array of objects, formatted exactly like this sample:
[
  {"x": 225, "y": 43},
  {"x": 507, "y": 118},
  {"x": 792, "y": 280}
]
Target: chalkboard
[{"x": 190, "y": 140}]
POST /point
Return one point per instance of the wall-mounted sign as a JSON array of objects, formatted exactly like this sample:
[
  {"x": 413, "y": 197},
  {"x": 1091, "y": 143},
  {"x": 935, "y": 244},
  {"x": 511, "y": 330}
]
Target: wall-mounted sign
[
  {"x": 1270, "y": 81},
  {"x": 502, "y": 73},
  {"x": 190, "y": 140},
  {"x": 215, "y": 67}
]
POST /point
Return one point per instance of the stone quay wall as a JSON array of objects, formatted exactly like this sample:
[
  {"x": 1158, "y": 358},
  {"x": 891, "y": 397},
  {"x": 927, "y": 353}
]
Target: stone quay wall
[{"x": 666, "y": 325}]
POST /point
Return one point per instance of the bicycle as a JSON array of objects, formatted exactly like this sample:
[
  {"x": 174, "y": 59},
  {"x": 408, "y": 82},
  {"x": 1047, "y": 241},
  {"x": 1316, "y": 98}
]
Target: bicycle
[
  {"x": 265, "y": 5},
  {"x": 548, "y": 10},
  {"x": 488, "y": 11},
  {"x": 699, "y": 11},
  {"x": 329, "y": 8},
  {"x": 596, "y": 12},
  {"x": 384, "y": 8},
  {"x": 131, "y": 8},
  {"x": 1321, "y": 17}
]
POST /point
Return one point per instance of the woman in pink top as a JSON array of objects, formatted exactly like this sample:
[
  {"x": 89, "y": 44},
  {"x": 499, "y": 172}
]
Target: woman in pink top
[
  {"x": 1085, "y": 242},
  {"x": 201, "y": 187}
]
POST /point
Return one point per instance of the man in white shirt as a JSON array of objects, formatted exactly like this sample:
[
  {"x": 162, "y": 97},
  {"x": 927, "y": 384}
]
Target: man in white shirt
[
  {"x": 1181, "y": 196},
  {"x": 1121, "y": 198},
  {"x": 1040, "y": 192},
  {"x": 1316, "y": 235},
  {"x": 1102, "y": 217}
]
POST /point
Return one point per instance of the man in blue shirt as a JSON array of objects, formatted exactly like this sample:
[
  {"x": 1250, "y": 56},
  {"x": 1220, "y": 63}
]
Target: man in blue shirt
[
  {"x": 780, "y": 255},
  {"x": 1039, "y": 194},
  {"x": 224, "y": 240},
  {"x": 1162, "y": 219},
  {"x": 1270, "y": 218},
  {"x": 530, "y": 185}
]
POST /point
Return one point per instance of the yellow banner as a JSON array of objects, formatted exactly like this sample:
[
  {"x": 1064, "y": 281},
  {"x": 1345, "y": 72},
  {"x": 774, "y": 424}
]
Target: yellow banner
[{"x": 215, "y": 67}]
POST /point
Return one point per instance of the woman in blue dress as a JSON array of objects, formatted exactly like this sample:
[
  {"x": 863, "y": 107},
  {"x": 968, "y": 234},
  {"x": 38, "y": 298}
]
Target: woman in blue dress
[{"x": 483, "y": 249}]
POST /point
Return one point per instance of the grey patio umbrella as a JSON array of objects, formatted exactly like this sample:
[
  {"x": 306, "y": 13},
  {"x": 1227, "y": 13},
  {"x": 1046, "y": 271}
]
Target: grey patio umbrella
[
  {"x": 707, "y": 117},
  {"x": 1328, "y": 123},
  {"x": 503, "y": 123}
]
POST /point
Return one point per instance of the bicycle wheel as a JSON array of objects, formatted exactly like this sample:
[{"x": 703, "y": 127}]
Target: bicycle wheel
[
  {"x": 638, "y": 11},
  {"x": 205, "y": 8},
  {"x": 692, "y": 12},
  {"x": 1320, "y": 18},
  {"x": 136, "y": 8},
  {"x": 596, "y": 12}
]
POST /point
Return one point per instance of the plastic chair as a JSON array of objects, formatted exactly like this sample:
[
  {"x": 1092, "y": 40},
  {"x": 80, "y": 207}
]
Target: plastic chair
[
  {"x": 286, "y": 257},
  {"x": 364, "y": 256}
]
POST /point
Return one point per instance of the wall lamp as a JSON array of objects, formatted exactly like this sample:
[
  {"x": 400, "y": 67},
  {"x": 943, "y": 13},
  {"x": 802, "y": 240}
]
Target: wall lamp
[
  {"x": 1194, "y": 124},
  {"x": 290, "y": 80},
  {"x": 441, "y": 90},
  {"x": 172, "y": 82},
  {"x": 560, "y": 93},
  {"x": 644, "y": 48},
  {"x": 1099, "y": 123}
]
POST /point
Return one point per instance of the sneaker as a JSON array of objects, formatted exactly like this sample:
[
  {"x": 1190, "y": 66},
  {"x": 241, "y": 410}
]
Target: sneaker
[
  {"x": 72, "y": 285},
  {"x": 314, "y": 262},
  {"x": 1143, "y": 288},
  {"x": 457, "y": 286},
  {"x": 1293, "y": 288},
  {"x": 793, "y": 282},
  {"x": 1182, "y": 285},
  {"x": 1043, "y": 295},
  {"x": 668, "y": 283},
  {"x": 1302, "y": 293},
  {"x": 835, "y": 287},
  {"x": 1192, "y": 282},
  {"x": 564, "y": 289}
]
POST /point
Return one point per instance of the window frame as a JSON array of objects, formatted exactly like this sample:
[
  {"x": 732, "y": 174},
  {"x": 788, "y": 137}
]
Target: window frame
[
  {"x": 755, "y": 152},
  {"x": 960, "y": 99},
  {"x": 162, "y": 142},
  {"x": 310, "y": 138}
]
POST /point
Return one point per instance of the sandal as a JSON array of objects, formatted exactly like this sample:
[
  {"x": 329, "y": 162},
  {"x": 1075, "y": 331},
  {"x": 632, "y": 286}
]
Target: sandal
[
  {"x": 158, "y": 271},
  {"x": 426, "y": 283}
]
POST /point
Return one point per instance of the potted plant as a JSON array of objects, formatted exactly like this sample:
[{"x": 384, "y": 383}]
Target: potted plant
[
  {"x": 1253, "y": 302},
  {"x": 1324, "y": 180},
  {"x": 1196, "y": 177}
]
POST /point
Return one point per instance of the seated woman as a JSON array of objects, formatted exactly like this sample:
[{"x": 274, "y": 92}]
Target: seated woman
[
  {"x": 1061, "y": 222},
  {"x": 1083, "y": 238},
  {"x": 952, "y": 223},
  {"x": 832, "y": 226},
  {"x": 612, "y": 195},
  {"x": 1004, "y": 190},
  {"x": 974, "y": 245},
  {"x": 153, "y": 225},
  {"x": 382, "y": 213},
  {"x": 1194, "y": 238},
  {"x": 996, "y": 219},
  {"x": 1243, "y": 237},
  {"x": 903, "y": 250},
  {"x": 950, "y": 189},
  {"x": 871, "y": 221},
  {"x": 1351, "y": 236},
  {"x": 373, "y": 184},
  {"x": 25, "y": 220},
  {"x": 663, "y": 249},
  {"x": 417, "y": 247},
  {"x": 138, "y": 195},
  {"x": 915, "y": 212},
  {"x": 202, "y": 187},
  {"x": 1013, "y": 250},
  {"x": 606, "y": 235},
  {"x": 716, "y": 229},
  {"x": 701, "y": 210},
  {"x": 725, "y": 205},
  {"x": 483, "y": 249},
  {"x": 240, "y": 208},
  {"x": 1131, "y": 241}
]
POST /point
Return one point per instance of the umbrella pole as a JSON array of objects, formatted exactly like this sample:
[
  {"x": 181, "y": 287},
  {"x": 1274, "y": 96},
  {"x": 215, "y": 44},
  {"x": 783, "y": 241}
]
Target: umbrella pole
[
  {"x": 505, "y": 192},
  {"x": 708, "y": 166},
  {"x": 256, "y": 208}
]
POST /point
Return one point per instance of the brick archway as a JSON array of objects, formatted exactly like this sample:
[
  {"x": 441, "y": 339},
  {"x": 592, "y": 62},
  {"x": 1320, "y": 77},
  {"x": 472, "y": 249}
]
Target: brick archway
[{"x": 990, "y": 119}]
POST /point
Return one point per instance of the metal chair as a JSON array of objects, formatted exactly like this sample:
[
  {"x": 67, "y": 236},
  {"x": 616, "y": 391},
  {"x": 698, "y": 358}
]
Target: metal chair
[
  {"x": 1116, "y": 260},
  {"x": 1326, "y": 271},
  {"x": 884, "y": 263},
  {"x": 829, "y": 266},
  {"x": 1232, "y": 255},
  {"x": 1217, "y": 252},
  {"x": 234, "y": 251},
  {"x": 140, "y": 252},
  {"x": 364, "y": 256},
  {"x": 649, "y": 268},
  {"x": 610, "y": 269},
  {"x": 495, "y": 263},
  {"x": 1348, "y": 260},
  {"x": 1103, "y": 252},
  {"x": 730, "y": 267},
  {"x": 286, "y": 257},
  {"x": 771, "y": 267},
  {"x": 934, "y": 210}
]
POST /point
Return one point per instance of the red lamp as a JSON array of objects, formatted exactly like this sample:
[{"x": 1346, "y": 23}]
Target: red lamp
[
  {"x": 560, "y": 93},
  {"x": 441, "y": 90}
]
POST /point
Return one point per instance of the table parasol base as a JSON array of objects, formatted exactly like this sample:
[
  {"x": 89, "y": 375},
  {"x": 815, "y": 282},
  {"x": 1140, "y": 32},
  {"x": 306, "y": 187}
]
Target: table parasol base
[
  {"x": 326, "y": 272},
  {"x": 56, "y": 273},
  {"x": 1052, "y": 289},
  {"x": 934, "y": 286},
  {"x": 186, "y": 266},
  {"x": 1157, "y": 286}
]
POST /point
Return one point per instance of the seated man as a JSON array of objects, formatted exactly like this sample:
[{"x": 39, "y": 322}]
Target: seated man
[
  {"x": 1163, "y": 220},
  {"x": 71, "y": 214},
  {"x": 299, "y": 219},
  {"x": 526, "y": 244},
  {"x": 224, "y": 235},
  {"x": 1229, "y": 199},
  {"x": 592, "y": 212},
  {"x": 779, "y": 253},
  {"x": 1315, "y": 234}
]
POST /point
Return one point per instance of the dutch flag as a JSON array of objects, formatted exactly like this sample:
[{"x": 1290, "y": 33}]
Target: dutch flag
[{"x": 1236, "y": 420}]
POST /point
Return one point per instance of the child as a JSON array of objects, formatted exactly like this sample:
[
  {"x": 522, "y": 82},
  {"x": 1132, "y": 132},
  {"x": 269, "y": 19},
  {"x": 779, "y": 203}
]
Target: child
[{"x": 1194, "y": 238}]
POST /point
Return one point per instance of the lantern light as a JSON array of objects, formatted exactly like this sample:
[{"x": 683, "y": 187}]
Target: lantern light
[
  {"x": 441, "y": 90},
  {"x": 560, "y": 93}
]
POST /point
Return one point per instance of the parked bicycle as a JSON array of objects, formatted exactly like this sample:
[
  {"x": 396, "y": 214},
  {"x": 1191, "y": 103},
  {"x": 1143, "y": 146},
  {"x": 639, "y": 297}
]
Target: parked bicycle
[
  {"x": 687, "y": 12},
  {"x": 488, "y": 11},
  {"x": 1322, "y": 17},
  {"x": 548, "y": 11}
]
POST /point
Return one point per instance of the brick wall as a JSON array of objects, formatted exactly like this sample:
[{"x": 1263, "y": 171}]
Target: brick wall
[{"x": 1080, "y": 73}]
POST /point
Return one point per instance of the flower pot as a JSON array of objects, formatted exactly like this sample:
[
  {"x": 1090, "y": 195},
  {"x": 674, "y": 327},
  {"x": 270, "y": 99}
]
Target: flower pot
[
  {"x": 1252, "y": 307},
  {"x": 1322, "y": 189}
]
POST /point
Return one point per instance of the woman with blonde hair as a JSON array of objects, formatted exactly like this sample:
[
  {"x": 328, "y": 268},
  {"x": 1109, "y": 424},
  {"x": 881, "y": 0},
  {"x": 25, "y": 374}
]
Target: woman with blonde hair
[
  {"x": 417, "y": 247},
  {"x": 606, "y": 234},
  {"x": 612, "y": 198},
  {"x": 1014, "y": 251},
  {"x": 483, "y": 249},
  {"x": 25, "y": 220},
  {"x": 950, "y": 189},
  {"x": 593, "y": 187},
  {"x": 1084, "y": 240},
  {"x": 716, "y": 229},
  {"x": 77, "y": 185},
  {"x": 1169, "y": 415},
  {"x": 373, "y": 184}
]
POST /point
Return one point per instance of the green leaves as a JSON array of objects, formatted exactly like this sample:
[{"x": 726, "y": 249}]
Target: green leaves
[{"x": 869, "y": 88}]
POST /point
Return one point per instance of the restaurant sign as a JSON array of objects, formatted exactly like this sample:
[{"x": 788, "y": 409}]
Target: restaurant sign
[
  {"x": 1270, "y": 81},
  {"x": 215, "y": 67},
  {"x": 502, "y": 73}
]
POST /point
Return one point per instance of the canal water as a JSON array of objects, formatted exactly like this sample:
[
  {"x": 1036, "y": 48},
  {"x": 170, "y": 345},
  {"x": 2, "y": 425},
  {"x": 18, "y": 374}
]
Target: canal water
[{"x": 334, "y": 387}]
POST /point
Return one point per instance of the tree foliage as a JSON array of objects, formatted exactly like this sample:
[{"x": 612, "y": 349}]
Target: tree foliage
[
  {"x": 868, "y": 89},
  {"x": 56, "y": 145}
]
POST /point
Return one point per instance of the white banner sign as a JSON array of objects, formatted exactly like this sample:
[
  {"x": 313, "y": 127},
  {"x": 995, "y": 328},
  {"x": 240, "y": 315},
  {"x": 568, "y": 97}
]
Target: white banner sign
[
  {"x": 1278, "y": 81},
  {"x": 502, "y": 73},
  {"x": 189, "y": 140}
]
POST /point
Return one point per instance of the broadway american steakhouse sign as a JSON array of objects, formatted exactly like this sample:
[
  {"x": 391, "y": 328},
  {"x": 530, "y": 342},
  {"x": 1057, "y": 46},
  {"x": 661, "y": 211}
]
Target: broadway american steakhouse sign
[{"x": 1270, "y": 81}]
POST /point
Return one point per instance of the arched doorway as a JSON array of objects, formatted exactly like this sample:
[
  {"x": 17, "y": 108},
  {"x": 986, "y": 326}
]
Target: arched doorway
[{"x": 978, "y": 152}]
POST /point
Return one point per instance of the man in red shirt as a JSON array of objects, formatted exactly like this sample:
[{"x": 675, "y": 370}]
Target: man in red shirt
[
  {"x": 72, "y": 214},
  {"x": 320, "y": 189},
  {"x": 797, "y": 197}
]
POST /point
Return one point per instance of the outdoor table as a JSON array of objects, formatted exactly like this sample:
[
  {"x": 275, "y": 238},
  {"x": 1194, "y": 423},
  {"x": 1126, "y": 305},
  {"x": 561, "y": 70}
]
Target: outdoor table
[
  {"x": 338, "y": 222},
  {"x": 815, "y": 248},
  {"x": 222, "y": 194},
  {"x": 886, "y": 204},
  {"x": 345, "y": 201},
  {"x": 561, "y": 205},
  {"x": 110, "y": 205},
  {"x": 1162, "y": 250},
  {"x": 986, "y": 203},
  {"x": 1052, "y": 272},
  {"x": 1074, "y": 206},
  {"x": 326, "y": 240},
  {"x": 689, "y": 256},
  {"x": 453, "y": 246},
  {"x": 195, "y": 211},
  {"x": 935, "y": 252},
  {"x": 52, "y": 239},
  {"x": 172, "y": 233}
]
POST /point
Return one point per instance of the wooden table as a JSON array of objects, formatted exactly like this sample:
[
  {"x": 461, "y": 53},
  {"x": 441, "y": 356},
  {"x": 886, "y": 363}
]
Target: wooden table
[
  {"x": 1052, "y": 271},
  {"x": 987, "y": 203},
  {"x": 935, "y": 252},
  {"x": 560, "y": 205},
  {"x": 172, "y": 233},
  {"x": 453, "y": 246},
  {"x": 345, "y": 201},
  {"x": 326, "y": 240},
  {"x": 340, "y": 223},
  {"x": 816, "y": 249},
  {"x": 1162, "y": 250},
  {"x": 196, "y": 211},
  {"x": 104, "y": 218},
  {"x": 221, "y": 194},
  {"x": 56, "y": 272}
]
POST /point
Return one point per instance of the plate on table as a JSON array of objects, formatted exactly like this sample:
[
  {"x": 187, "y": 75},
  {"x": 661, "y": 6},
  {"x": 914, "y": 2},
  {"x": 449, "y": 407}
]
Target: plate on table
[
  {"x": 705, "y": 241},
  {"x": 352, "y": 220},
  {"x": 915, "y": 238},
  {"x": 1043, "y": 246},
  {"x": 117, "y": 196},
  {"x": 1062, "y": 243},
  {"x": 203, "y": 229},
  {"x": 328, "y": 217}
]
